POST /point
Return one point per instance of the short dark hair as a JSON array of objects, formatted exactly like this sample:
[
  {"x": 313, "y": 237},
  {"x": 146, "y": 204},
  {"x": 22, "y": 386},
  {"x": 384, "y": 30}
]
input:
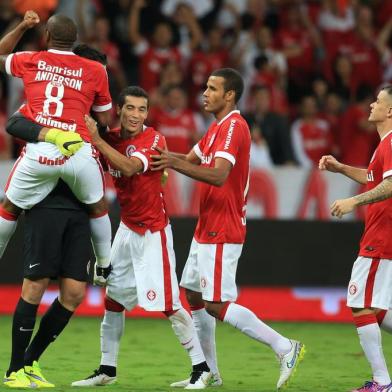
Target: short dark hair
[
  {"x": 62, "y": 29},
  {"x": 233, "y": 81},
  {"x": 90, "y": 53},
  {"x": 388, "y": 89},
  {"x": 132, "y": 91}
]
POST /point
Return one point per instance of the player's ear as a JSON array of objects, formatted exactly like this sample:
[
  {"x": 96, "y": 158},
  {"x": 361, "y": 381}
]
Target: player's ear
[{"x": 118, "y": 109}]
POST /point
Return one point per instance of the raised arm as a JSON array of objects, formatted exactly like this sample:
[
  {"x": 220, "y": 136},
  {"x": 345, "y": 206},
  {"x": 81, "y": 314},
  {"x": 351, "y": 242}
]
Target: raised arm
[
  {"x": 330, "y": 163},
  {"x": 134, "y": 21},
  {"x": 11, "y": 39}
]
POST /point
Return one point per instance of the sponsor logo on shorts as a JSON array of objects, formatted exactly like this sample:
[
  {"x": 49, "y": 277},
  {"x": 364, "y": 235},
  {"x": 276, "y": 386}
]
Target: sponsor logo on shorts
[
  {"x": 52, "y": 162},
  {"x": 203, "y": 282},
  {"x": 353, "y": 288},
  {"x": 34, "y": 265},
  {"x": 151, "y": 295}
]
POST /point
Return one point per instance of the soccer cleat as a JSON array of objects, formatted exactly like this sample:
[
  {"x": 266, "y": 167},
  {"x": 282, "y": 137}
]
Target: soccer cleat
[
  {"x": 18, "y": 380},
  {"x": 372, "y": 386},
  {"x": 214, "y": 381},
  {"x": 289, "y": 362},
  {"x": 96, "y": 379},
  {"x": 34, "y": 374},
  {"x": 199, "y": 380}
]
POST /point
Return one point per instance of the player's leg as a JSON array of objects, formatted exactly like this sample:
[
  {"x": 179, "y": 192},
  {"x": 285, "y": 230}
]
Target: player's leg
[
  {"x": 28, "y": 183},
  {"x": 84, "y": 175},
  {"x": 120, "y": 295},
  {"x": 217, "y": 266},
  {"x": 22, "y": 329},
  {"x": 203, "y": 322},
  {"x": 368, "y": 291}
]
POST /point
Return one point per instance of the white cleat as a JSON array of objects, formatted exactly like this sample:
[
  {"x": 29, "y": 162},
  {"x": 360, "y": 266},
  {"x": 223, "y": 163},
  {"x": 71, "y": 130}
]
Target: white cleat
[
  {"x": 215, "y": 381},
  {"x": 199, "y": 380},
  {"x": 289, "y": 363},
  {"x": 96, "y": 379}
]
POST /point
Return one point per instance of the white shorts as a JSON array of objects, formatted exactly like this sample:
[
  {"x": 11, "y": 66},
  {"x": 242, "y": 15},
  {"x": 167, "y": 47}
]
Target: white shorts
[
  {"x": 35, "y": 175},
  {"x": 370, "y": 284},
  {"x": 211, "y": 270},
  {"x": 144, "y": 270}
]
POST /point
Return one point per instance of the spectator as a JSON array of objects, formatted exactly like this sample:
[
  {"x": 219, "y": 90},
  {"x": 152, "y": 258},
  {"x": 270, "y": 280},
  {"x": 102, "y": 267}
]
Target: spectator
[
  {"x": 274, "y": 128},
  {"x": 385, "y": 50},
  {"x": 153, "y": 55},
  {"x": 311, "y": 134},
  {"x": 176, "y": 121},
  {"x": 259, "y": 153}
]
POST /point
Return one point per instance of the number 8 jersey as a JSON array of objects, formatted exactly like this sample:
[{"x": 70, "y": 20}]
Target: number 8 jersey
[{"x": 60, "y": 88}]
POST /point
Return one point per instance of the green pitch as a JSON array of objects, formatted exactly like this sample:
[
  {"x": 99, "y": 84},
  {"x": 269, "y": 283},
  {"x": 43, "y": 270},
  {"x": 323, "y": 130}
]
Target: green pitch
[{"x": 151, "y": 358}]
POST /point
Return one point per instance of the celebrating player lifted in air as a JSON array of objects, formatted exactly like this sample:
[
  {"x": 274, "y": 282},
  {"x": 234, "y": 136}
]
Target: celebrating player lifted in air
[
  {"x": 369, "y": 293},
  {"x": 60, "y": 88},
  {"x": 221, "y": 162}
]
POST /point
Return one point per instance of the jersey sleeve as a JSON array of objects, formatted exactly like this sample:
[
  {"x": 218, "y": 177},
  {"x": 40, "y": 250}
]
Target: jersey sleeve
[
  {"x": 144, "y": 153},
  {"x": 15, "y": 63},
  {"x": 387, "y": 159},
  {"x": 103, "y": 100},
  {"x": 199, "y": 146},
  {"x": 230, "y": 139}
]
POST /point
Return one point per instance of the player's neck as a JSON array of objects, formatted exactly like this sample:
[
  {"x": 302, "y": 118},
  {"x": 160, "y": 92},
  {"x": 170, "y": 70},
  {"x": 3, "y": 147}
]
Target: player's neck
[
  {"x": 224, "y": 112},
  {"x": 59, "y": 46},
  {"x": 383, "y": 128}
]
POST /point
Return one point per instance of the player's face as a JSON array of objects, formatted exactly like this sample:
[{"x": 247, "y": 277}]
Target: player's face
[
  {"x": 381, "y": 109},
  {"x": 214, "y": 95},
  {"x": 133, "y": 114}
]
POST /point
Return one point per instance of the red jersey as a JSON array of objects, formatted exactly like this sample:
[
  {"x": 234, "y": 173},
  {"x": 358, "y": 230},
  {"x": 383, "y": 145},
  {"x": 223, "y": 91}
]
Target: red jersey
[
  {"x": 222, "y": 209},
  {"x": 60, "y": 88},
  {"x": 376, "y": 241},
  {"x": 178, "y": 127},
  {"x": 140, "y": 196}
]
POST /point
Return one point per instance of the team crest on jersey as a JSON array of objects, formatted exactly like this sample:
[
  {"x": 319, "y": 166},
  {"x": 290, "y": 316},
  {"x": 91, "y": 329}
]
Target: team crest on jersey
[
  {"x": 130, "y": 149},
  {"x": 353, "y": 288},
  {"x": 151, "y": 295},
  {"x": 203, "y": 282}
]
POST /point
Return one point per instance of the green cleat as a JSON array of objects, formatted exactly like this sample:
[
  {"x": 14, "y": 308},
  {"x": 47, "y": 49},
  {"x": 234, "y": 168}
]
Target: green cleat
[
  {"x": 35, "y": 375},
  {"x": 18, "y": 380}
]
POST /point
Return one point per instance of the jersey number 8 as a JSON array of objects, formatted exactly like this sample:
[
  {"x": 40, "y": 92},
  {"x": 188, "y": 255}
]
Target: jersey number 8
[{"x": 53, "y": 99}]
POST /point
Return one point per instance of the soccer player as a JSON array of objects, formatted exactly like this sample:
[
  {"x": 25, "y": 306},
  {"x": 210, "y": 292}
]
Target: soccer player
[
  {"x": 221, "y": 162},
  {"x": 60, "y": 88},
  {"x": 369, "y": 293},
  {"x": 142, "y": 256},
  {"x": 61, "y": 250}
]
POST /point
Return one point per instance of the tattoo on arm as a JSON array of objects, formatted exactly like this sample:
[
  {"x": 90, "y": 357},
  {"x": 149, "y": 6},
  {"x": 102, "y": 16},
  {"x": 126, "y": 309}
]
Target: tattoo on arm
[{"x": 381, "y": 192}]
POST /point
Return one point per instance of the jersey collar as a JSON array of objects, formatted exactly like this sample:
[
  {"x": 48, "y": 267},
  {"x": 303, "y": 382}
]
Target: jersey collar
[
  {"x": 62, "y": 52},
  {"x": 228, "y": 115},
  {"x": 386, "y": 135}
]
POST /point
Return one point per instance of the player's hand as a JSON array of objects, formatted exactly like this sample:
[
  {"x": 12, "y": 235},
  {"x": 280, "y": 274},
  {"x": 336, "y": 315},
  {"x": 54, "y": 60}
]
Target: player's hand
[
  {"x": 163, "y": 161},
  {"x": 92, "y": 127},
  {"x": 330, "y": 163},
  {"x": 67, "y": 142},
  {"x": 343, "y": 206},
  {"x": 164, "y": 177},
  {"x": 30, "y": 19},
  {"x": 101, "y": 274}
]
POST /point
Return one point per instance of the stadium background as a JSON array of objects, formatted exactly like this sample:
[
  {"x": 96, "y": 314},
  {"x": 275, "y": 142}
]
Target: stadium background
[{"x": 311, "y": 69}]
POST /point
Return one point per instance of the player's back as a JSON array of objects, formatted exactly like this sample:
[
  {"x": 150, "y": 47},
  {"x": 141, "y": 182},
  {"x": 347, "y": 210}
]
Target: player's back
[{"x": 60, "y": 88}]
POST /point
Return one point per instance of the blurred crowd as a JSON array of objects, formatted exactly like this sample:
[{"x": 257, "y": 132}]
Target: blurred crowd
[{"x": 311, "y": 67}]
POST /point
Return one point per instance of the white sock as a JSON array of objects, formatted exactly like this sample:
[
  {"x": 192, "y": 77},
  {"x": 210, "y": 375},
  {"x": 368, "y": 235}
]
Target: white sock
[
  {"x": 101, "y": 237},
  {"x": 7, "y": 228},
  {"x": 247, "y": 322},
  {"x": 185, "y": 331},
  {"x": 370, "y": 339},
  {"x": 112, "y": 329},
  {"x": 386, "y": 324},
  {"x": 205, "y": 328}
]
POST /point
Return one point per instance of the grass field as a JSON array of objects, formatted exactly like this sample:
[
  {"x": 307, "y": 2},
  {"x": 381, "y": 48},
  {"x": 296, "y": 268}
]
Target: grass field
[{"x": 151, "y": 358}]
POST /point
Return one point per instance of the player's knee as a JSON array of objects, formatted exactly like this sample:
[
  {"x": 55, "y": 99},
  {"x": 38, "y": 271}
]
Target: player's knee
[
  {"x": 98, "y": 209},
  {"x": 32, "y": 291},
  {"x": 194, "y": 299},
  {"x": 112, "y": 305},
  {"x": 212, "y": 309},
  {"x": 10, "y": 207},
  {"x": 71, "y": 299}
]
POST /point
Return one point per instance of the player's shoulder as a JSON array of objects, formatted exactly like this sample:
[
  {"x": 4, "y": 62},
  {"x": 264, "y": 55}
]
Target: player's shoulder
[{"x": 112, "y": 134}]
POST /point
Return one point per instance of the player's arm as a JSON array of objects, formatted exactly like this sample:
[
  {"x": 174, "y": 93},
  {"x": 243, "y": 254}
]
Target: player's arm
[
  {"x": 127, "y": 166},
  {"x": 11, "y": 39},
  {"x": 190, "y": 157},
  {"x": 381, "y": 192},
  {"x": 329, "y": 163},
  {"x": 216, "y": 175}
]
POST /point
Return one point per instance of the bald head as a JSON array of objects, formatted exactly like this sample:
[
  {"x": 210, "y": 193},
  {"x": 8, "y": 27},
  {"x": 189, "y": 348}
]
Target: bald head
[{"x": 61, "y": 30}]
